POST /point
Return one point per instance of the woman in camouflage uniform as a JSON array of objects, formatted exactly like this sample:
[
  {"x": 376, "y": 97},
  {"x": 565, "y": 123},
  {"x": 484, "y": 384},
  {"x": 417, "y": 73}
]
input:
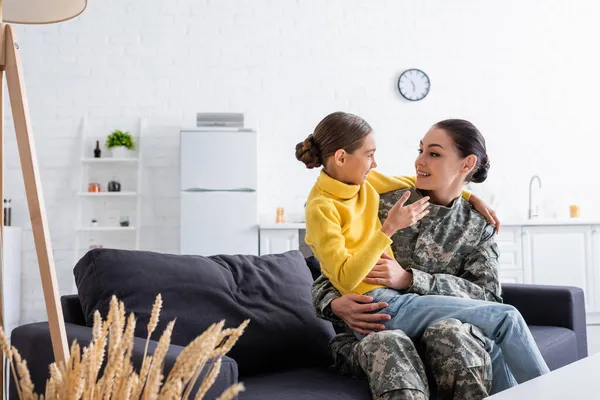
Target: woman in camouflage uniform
[{"x": 450, "y": 252}]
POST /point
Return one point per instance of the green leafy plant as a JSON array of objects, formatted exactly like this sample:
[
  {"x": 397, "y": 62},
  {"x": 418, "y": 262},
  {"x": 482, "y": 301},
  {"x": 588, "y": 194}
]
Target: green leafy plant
[{"x": 119, "y": 138}]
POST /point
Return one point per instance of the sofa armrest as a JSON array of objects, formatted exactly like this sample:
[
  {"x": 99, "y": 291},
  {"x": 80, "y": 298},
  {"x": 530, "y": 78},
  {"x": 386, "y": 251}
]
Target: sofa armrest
[
  {"x": 34, "y": 344},
  {"x": 551, "y": 306},
  {"x": 72, "y": 311}
]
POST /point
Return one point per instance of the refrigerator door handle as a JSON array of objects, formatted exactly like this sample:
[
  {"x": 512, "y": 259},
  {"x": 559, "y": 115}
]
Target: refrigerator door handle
[{"x": 204, "y": 190}]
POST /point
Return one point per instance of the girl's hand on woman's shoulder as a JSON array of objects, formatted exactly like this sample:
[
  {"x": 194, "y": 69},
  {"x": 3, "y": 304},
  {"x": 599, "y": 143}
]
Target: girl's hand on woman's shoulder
[{"x": 485, "y": 210}]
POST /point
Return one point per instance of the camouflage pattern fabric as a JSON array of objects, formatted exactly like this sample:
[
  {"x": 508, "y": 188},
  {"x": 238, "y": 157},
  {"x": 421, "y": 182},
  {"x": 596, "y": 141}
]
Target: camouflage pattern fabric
[
  {"x": 323, "y": 293},
  {"x": 450, "y": 252},
  {"x": 452, "y": 352},
  {"x": 457, "y": 359},
  {"x": 405, "y": 394},
  {"x": 389, "y": 359}
]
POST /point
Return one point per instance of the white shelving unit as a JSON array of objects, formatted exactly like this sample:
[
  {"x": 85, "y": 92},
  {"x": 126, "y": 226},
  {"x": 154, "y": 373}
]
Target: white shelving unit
[
  {"x": 108, "y": 160},
  {"x": 106, "y": 194},
  {"x": 107, "y": 229},
  {"x": 104, "y": 206}
]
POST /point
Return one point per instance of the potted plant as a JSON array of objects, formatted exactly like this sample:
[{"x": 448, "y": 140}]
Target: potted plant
[{"x": 120, "y": 143}]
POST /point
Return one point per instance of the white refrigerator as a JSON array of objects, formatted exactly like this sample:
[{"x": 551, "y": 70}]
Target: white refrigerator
[{"x": 218, "y": 168}]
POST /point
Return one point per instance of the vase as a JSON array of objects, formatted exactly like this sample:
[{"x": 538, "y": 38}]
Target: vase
[
  {"x": 120, "y": 152},
  {"x": 114, "y": 186}
]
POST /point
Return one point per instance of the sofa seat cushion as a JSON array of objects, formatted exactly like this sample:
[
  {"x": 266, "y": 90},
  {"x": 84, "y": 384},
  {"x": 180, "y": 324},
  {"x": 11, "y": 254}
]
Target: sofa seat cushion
[
  {"x": 305, "y": 384},
  {"x": 273, "y": 291},
  {"x": 558, "y": 345}
]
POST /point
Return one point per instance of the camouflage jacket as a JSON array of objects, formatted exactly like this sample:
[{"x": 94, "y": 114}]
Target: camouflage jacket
[{"x": 451, "y": 251}]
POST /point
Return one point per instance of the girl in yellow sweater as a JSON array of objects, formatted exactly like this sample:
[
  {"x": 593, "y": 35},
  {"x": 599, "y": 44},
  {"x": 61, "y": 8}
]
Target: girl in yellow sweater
[
  {"x": 342, "y": 226},
  {"x": 344, "y": 232}
]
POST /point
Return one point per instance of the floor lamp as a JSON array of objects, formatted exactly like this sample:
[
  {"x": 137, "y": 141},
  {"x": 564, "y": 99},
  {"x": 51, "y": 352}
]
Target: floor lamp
[{"x": 31, "y": 12}]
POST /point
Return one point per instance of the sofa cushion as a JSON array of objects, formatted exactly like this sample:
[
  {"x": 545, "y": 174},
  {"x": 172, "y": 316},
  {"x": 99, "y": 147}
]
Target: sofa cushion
[
  {"x": 71, "y": 308},
  {"x": 273, "y": 291},
  {"x": 558, "y": 345},
  {"x": 305, "y": 384}
]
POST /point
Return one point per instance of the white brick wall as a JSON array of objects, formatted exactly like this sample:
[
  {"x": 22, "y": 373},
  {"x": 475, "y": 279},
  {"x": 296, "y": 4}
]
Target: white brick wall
[{"x": 526, "y": 75}]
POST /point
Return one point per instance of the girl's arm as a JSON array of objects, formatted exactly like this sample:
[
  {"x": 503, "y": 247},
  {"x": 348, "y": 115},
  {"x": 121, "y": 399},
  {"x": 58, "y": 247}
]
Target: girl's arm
[
  {"x": 324, "y": 233},
  {"x": 384, "y": 183},
  {"x": 487, "y": 213}
]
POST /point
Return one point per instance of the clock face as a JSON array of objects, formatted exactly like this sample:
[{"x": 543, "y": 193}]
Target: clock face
[{"x": 413, "y": 84}]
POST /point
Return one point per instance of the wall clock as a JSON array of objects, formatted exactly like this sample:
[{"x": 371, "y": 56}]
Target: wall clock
[{"x": 414, "y": 84}]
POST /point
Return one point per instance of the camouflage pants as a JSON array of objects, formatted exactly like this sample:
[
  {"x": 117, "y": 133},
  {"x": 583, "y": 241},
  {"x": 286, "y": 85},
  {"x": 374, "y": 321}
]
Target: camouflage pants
[
  {"x": 450, "y": 351},
  {"x": 456, "y": 356}
]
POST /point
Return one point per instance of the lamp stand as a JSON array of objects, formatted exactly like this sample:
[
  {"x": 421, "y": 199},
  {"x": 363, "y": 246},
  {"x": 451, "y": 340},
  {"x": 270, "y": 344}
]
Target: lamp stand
[{"x": 10, "y": 64}]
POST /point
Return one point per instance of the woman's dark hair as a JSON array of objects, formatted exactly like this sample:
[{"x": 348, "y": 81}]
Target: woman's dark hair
[
  {"x": 468, "y": 140},
  {"x": 338, "y": 130}
]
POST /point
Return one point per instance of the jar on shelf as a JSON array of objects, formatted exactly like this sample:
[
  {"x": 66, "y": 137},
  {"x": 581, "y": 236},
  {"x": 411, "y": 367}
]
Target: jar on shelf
[
  {"x": 280, "y": 216},
  {"x": 94, "y": 187},
  {"x": 574, "y": 211}
]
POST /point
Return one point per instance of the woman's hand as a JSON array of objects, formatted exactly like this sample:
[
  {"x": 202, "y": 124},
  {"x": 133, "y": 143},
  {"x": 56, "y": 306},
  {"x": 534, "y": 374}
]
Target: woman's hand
[
  {"x": 355, "y": 310},
  {"x": 486, "y": 211},
  {"x": 400, "y": 217},
  {"x": 389, "y": 273}
]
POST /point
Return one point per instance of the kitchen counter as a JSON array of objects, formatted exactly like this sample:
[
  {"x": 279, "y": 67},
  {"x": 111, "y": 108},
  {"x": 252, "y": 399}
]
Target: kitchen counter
[
  {"x": 287, "y": 225},
  {"x": 509, "y": 222},
  {"x": 551, "y": 222}
]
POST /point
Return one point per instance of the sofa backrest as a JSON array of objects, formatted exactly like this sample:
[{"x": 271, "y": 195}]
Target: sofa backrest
[{"x": 273, "y": 291}]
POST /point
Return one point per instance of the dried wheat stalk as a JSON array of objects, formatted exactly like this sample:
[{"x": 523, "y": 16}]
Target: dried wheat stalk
[{"x": 79, "y": 377}]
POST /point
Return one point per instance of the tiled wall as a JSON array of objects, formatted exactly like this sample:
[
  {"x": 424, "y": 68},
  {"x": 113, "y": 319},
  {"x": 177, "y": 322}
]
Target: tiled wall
[{"x": 525, "y": 74}]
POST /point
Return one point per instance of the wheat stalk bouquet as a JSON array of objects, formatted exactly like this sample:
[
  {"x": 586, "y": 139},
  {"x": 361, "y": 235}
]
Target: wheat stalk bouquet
[{"x": 79, "y": 378}]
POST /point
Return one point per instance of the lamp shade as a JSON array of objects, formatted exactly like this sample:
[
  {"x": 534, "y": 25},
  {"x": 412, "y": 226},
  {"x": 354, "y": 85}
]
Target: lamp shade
[{"x": 41, "y": 11}]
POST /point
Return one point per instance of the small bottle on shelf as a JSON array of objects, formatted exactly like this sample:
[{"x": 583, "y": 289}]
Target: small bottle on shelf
[
  {"x": 7, "y": 212},
  {"x": 280, "y": 217},
  {"x": 97, "y": 151}
]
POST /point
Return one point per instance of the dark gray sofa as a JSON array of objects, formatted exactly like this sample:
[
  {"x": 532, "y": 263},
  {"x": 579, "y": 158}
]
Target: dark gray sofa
[{"x": 284, "y": 352}]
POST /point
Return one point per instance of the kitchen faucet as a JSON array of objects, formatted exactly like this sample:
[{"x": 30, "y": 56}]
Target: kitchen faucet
[{"x": 532, "y": 213}]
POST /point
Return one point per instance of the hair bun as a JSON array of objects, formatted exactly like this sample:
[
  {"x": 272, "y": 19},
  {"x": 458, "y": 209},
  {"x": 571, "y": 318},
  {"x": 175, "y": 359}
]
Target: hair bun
[
  {"x": 481, "y": 174},
  {"x": 308, "y": 152}
]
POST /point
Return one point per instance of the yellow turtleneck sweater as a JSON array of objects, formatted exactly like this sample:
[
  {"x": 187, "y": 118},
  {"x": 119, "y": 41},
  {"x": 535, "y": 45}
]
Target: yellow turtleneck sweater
[{"x": 343, "y": 227}]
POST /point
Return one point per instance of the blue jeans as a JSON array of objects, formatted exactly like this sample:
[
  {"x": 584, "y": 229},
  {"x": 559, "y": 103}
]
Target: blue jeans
[
  {"x": 501, "y": 323},
  {"x": 502, "y": 378}
]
